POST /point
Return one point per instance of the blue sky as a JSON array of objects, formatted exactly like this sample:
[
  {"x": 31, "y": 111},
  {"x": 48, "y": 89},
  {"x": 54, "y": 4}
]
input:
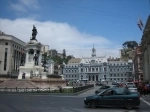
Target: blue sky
[{"x": 75, "y": 25}]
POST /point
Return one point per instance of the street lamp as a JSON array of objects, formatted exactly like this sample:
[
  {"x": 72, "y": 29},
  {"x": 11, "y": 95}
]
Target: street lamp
[{"x": 31, "y": 73}]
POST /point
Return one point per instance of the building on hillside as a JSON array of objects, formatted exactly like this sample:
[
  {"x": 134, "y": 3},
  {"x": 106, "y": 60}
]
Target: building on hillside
[
  {"x": 50, "y": 67},
  {"x": 45, "y": 49},
  {"x": 11, "y": 50},
  {"x": 60, "y": 55},
  {"x": 53, "y": 52},
  {"x": 97, "y": 69},
  {"x": 138, "y": 64},
  {"x": 74, "y": 60},
  {"x": 145, "y": 49}
]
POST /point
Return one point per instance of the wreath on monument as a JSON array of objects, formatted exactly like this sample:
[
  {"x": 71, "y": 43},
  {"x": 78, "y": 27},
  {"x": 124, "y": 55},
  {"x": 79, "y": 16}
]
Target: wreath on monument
[
  {"x": 38, "y": 51},
  {"x": 31, "y": 51}
]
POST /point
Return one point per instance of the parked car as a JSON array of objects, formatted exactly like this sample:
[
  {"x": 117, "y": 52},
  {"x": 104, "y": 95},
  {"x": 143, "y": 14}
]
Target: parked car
[
  {"x": 104, "y": 88},
  {"x": 118, "y": 97},
  {"x": 99, "y": 84},
  {"x": 132, "y": 88},
  {"x": 130, "y": 83}
]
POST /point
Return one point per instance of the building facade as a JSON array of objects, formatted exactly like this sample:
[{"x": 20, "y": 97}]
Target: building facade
[
  {"x": 138, "y": 69},
  {"x": 145, "y": 49},
  {"x": 50, "y": 67},
  {"x": 97, "y": 69},
  {"x": 11, "y": 49}
]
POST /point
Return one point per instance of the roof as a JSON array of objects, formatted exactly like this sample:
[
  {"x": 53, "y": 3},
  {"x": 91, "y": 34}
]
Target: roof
[{"x": 74, "y": 60}]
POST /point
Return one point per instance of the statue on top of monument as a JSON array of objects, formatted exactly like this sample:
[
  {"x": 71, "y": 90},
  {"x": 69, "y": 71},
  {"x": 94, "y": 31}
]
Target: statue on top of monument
[{"x": 34, "y": 33}]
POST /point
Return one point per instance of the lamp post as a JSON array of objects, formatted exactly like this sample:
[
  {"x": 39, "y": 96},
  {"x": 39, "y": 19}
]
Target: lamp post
[
  {"x": 31, "y": 74},
  {"x": 8, "y": 73}
]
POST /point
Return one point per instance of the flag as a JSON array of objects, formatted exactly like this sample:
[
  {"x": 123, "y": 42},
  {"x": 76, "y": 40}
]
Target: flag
[{"x": 140, "y": 24}]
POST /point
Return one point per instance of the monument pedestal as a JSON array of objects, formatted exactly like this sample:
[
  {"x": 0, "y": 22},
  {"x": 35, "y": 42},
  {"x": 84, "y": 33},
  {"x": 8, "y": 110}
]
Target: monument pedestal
[
  {"x": 44, "y": 75},
  {"x": 31, "y": 72},
  {"x": 32, "y": 67}
]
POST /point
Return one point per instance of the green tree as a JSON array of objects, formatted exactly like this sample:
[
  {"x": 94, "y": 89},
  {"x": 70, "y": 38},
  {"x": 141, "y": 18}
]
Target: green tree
[{"x": 130, "y": 44}]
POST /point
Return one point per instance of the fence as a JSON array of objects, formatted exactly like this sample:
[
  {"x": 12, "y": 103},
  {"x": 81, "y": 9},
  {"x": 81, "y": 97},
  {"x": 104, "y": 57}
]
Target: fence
[{"x": 45, "y": 90}]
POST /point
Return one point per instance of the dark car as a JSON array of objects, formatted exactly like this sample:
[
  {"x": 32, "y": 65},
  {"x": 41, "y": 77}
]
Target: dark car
[
  {"x": 99, "y": 84},
  {"x": 104, "y": 88},
  {"x": 120, "y": 97}
]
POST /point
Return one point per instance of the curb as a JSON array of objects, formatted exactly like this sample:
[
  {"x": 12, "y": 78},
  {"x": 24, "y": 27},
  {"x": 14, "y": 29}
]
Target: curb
[{"x": 66, "y": 94}]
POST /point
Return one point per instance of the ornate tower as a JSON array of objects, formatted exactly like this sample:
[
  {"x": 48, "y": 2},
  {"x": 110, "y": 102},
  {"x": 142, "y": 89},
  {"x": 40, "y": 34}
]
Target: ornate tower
[{"x": 93, "y": 52}]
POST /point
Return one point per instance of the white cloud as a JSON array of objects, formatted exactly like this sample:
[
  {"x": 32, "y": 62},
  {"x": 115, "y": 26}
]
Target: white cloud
[
  {"x": 60, "y": 36},
  {"x": 23, "y": 6}
]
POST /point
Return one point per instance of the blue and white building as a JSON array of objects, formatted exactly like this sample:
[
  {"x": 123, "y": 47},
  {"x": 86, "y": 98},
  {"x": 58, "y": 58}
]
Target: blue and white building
[{"x": 97, "y": 69}]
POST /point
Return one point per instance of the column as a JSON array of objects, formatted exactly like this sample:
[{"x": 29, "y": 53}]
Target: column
[
  {"x": 40, "y": 57},
  {"x": 27, "y": 56}
]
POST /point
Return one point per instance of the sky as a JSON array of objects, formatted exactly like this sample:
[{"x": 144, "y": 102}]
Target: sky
[{"x": 76, "y": 25}]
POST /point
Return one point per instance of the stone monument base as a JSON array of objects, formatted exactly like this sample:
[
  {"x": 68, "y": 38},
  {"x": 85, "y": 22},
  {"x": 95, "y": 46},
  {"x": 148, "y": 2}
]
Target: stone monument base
[{"x": 28, "y": 72}]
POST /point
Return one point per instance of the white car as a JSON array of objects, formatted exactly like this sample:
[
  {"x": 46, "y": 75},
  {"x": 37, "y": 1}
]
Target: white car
[{"x": 132, "y": 88}]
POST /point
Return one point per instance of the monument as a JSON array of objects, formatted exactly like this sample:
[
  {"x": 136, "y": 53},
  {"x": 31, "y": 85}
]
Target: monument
[{"x": 30, "y": 66}]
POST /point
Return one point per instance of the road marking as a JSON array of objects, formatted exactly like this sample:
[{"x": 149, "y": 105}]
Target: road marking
[{"x": 145, "y": 101}]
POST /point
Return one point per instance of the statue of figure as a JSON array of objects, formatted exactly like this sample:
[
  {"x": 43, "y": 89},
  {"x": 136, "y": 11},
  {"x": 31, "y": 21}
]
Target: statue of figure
[
  {"x": 34, "y": 33},
  {"x": 35, "y": 58},
  {"x": 22, "y": 60}
]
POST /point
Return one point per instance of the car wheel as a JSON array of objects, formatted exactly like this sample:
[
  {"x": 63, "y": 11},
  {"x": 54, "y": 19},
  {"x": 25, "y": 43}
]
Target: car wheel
[
  {"x": 128, "y": 105},
  {"x": 92, "y": 104}
]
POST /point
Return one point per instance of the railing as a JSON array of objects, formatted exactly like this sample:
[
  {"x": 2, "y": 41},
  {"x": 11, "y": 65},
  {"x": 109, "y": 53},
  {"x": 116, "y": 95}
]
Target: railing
[{"x": 45, "y": 90}]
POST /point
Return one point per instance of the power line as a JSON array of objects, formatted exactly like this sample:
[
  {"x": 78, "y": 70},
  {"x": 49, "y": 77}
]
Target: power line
[{"x": 98, "y": 12}]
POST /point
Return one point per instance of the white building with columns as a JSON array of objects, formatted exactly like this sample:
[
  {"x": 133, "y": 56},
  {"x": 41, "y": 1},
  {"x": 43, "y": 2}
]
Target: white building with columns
[{"x": 11, "y": 49}]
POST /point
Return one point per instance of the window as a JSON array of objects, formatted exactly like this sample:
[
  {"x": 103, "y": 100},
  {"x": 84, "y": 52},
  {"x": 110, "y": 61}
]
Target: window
[
  {"x": 5, "y": 58},
  {"x": 108, "y": 92},
  {"x": 105, "y": 69},
  {"x": 6, "y": 43},
  {"x": 119, "y": 91},
  {"x": 81, "y": 69},
  {"x": 92, "y": 69},
  {"x": 96, "y": 69},
  {"x": 89, "y": 69},
  {"x": 111, "y": 70}
]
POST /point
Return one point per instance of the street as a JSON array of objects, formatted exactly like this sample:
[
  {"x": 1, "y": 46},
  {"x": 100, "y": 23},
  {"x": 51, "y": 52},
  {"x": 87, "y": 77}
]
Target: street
[{"x": 57, "y": 103}]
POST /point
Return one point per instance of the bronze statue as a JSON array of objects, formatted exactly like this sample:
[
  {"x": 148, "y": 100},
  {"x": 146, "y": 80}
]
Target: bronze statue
[
  {"x": 34, "y": 33},
  {"x": 22, "y": 60},
  {"x": 35, "y": 58}
]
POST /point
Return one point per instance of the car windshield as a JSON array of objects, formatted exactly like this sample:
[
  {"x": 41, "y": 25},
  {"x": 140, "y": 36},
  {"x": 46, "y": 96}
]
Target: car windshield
[{"x": 102, "y": 92}]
